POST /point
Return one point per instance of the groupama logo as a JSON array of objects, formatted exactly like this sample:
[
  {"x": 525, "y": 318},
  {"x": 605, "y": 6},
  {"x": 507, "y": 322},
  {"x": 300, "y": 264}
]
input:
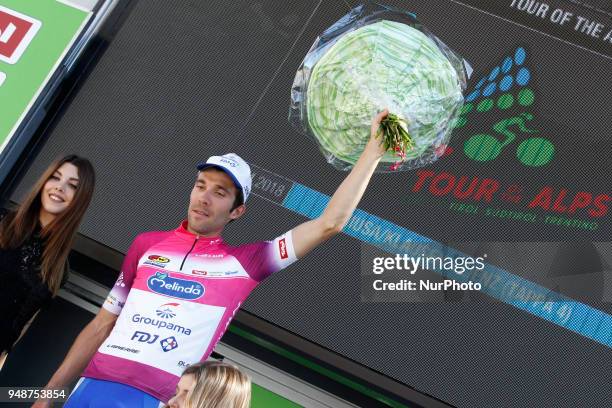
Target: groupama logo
[
  {"x": 174, "y": 287},
  {"x": 167, "y": 310}
]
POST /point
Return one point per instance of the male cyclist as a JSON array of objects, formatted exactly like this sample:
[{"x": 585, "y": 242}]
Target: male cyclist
[{"x": 178, "y": 290}]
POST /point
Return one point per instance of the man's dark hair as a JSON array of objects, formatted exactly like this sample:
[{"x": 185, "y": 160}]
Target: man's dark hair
[{"x": 237, "y": 200}]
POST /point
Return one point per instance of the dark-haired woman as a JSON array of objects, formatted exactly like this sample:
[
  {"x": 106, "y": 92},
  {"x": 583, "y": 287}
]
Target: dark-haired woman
[{"x": 35, "y": 240}]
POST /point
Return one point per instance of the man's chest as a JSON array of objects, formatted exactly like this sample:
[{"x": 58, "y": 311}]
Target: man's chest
[{"x": 213, "y": 276}]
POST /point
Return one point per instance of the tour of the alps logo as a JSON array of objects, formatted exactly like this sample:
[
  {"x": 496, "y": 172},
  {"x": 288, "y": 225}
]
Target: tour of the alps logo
[
  {"x": 167, "y": 310},
  {"x": 174, "y": 287},
  {"x": 505, "y": 93}
]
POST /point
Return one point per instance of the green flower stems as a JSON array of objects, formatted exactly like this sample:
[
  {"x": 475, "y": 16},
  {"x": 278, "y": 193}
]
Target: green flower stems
[{"x": 395, "y": 137}]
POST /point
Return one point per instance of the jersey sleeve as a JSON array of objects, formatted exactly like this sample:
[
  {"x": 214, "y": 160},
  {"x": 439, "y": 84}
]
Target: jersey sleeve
[
  {"x": 267, "y": 257},
  {"x": 119, "y": 293}
]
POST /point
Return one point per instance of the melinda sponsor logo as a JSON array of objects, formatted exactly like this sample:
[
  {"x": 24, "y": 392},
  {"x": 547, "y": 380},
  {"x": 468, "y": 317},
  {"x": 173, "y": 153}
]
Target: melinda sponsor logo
[
  {"x": 175, "y": 287},
  {"x": 160, "y": 324}
]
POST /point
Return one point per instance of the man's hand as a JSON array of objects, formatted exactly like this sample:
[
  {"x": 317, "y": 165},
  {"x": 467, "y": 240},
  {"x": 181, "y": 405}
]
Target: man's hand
[
  {"x": 375, "y": 144},
  {"x": 308, "y": 235}
]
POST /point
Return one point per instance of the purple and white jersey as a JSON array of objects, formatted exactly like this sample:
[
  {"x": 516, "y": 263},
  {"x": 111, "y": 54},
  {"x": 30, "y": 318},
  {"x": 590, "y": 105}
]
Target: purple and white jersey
[{"x": 175, "y": 297}]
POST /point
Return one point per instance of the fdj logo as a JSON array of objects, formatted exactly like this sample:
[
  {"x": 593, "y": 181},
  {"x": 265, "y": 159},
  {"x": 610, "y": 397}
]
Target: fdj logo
[
  {"x": 174, "y": 287},
  {"x": 144, "y": 337},
  {"x": 505, "y": 89},
  {"x": 169, "y": 344}
]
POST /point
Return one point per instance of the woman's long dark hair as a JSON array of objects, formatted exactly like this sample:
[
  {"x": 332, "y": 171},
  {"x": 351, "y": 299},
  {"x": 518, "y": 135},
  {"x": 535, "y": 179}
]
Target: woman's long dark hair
[{"x": 58, "y": 234}]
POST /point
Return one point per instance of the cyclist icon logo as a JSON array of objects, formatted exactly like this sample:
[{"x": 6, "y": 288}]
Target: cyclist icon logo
[
  {"x": 483, "y": 147},
  {"x": 534, "y": 151}
]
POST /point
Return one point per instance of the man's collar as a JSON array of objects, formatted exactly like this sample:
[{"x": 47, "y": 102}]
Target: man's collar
[{"x": 183, "y": 232}]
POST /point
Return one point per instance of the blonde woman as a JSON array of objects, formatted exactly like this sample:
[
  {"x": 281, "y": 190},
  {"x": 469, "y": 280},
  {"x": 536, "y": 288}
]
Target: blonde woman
[{"x": 212, "y": 384}]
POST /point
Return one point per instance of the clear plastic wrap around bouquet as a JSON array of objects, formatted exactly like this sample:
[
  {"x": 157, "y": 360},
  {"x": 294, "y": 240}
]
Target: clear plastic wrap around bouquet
[{"x": 375, "y": 57}]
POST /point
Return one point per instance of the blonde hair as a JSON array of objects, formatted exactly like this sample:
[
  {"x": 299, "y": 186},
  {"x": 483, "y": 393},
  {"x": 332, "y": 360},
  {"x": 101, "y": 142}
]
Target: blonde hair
[{"x": 218, "y": 385}]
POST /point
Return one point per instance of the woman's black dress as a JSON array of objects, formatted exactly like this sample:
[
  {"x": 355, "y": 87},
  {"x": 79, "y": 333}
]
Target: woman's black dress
[{"x": 22, "y": 292}]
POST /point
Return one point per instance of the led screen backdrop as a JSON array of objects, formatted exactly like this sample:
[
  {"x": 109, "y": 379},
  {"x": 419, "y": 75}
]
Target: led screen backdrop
[{"x": 524, "y": 180}]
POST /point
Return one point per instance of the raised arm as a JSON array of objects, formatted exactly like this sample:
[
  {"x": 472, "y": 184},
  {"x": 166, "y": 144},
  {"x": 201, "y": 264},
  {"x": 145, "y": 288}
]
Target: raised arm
[{"x": 308, "y": 235}]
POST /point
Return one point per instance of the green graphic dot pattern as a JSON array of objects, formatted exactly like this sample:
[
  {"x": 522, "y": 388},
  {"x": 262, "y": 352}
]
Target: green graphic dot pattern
[
  {"x": 485, "y": 105},
  {"x": 505, "y": 101},
  {"x": 526, "y": 97},
  {"x": 461, "y": 122},
  {"x": 467, "y": 108}
]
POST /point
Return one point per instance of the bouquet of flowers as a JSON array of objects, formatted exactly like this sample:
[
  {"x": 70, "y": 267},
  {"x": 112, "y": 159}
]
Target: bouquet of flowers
[{"x": 375, "y": 57}]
